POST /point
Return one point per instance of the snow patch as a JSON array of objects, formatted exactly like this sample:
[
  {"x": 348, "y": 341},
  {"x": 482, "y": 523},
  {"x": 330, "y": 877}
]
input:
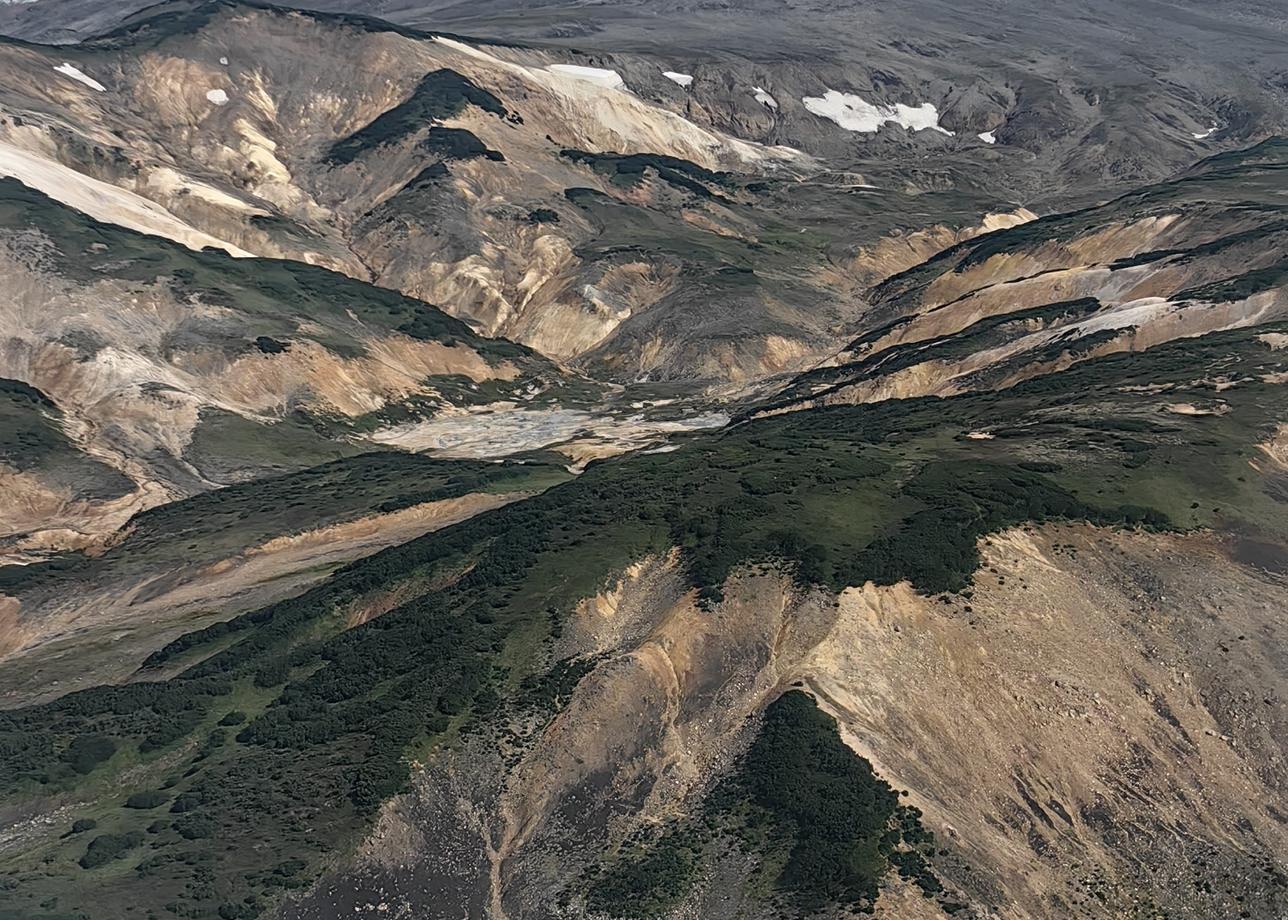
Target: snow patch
[
  {"x": 224, "y": 61},
  {"x": 217, "y": 96},
  {"x": 1191, "y": 409},
  {"x": 853, "y": 113},
  {"x": 599, "y": 110},
  {"x": 609, "y": 78},
  {"x": 1133, "y": 313},
  {"x": 988, "y": 137},
  {"x": 502, "y": 428},
  {"x": 764, "y": 98},
  {"x": 683, "y": 79},
  {"x": 102, "y": 200},
  {"x": 1206, "y": 134},
  {"x": 67, "y": 70}
]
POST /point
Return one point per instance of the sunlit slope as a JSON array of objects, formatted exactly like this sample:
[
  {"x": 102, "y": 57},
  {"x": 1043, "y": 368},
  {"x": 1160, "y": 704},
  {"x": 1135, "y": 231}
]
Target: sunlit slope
[{"x": 468, "y": 620}]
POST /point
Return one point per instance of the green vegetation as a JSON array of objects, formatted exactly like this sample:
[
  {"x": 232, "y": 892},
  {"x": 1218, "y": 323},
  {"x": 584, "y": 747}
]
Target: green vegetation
[
  {"x": 458, "y": 144},
  {"x": 843, "y": 821},
  {"x": 217, "y": 524},
  {"x": 32, "y": 441},
  {"x": 1237, "y": 195},
  {"x": 650, "y": 879},
  {"x": 25, "y": 415},
  {"x": 440, "y": 94},
  {"x": 543, "y": 216},
  {"x": 88, "y": 751},
  {"x": 842, "y": 495},
  {"x": 629, "y": 169},
  {"x": 271, "y": 297},
  {"x": 989, "y": 332},
  {"x": 826, "y": 828},
  {"x": 153, "y": 798},
  {"x": 107, "y": 847},
  {"x": 1241, "y": 286},
  {"x": 229, "y": 447}
]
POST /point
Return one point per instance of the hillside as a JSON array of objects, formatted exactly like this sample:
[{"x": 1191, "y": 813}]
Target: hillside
[
  {"x": 741, "y": 460},
  {"x": 138, "y": 371},
  {"x": 1198, "y": 253},
  {"x": 583, "y": 202},
  {"x": 663, "y": 599}
]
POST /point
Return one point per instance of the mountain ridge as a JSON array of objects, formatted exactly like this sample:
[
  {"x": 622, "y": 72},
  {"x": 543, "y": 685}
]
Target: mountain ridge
[{"x": 737, "y": 461}]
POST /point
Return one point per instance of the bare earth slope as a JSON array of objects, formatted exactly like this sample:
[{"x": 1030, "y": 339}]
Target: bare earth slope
[
  {"x": 584, "y": 203},
  {"x": 1201, "y": 252},
  {"x": 669, "y": 459},
  {"x": 177, "y": 371},
  {"x": 578, "y": 700}
]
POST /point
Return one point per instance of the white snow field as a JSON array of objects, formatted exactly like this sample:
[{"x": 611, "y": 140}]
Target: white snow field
[
  {"x": 764, "y": 98},
  {"x": 102, "y": 200},
  {"x": 609, "y": 78},
  {"x": 67, "y": 70},
  {"x": 683, "y": 79},
  {"x": 854, "y": 113},
  {"x": 217, "y": 96},
  {"x": 599, "y": 109},
  {"x": 988, "y": 137}
]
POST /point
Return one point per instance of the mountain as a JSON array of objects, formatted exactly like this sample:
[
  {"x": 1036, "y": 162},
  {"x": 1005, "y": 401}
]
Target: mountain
[
  {"x": 572, "y": 681},
  {"x": 481, "y": 177},
  {"x": 1103, "y": 93},
  {"x": 680, "y": 459},
  {"x": 1198, "y": 253},
  {"x": 584, "y": 203},
  {"x": 139, "y": 371}
]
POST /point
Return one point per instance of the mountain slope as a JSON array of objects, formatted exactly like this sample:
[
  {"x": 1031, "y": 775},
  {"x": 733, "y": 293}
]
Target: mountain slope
[
  {"x": 1200, "y": 252},
  {"x": 449, "y": 170},
  {"x": 455, "y": 170},
  {"x": 769, "y": 460},
  {"x": 692, "y": 642},
  {"x": 174, "y": 371},
  {"x": 1117, "y": 94}
]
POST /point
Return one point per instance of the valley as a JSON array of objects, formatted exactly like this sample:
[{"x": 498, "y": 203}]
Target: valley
[{"x": 677, "y": 460}]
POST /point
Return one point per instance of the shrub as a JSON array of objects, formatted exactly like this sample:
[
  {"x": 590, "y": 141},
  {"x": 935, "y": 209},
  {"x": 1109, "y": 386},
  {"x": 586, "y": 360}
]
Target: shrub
[
  {"x": 88, "y": 751},
  {"x": 107, "y": 847},
  {"x": 187, "y": 801},
  {"x": 195, "y": 827},
  {"x": 149, "y": 799}
]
